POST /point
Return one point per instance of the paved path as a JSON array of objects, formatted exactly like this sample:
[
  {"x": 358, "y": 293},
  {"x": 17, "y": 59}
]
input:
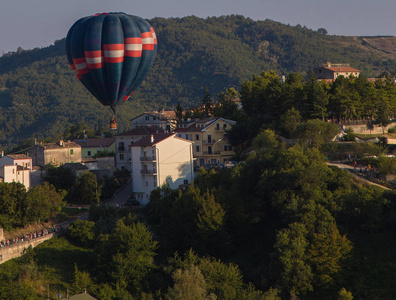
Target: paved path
[
  {"x": 121, "y": 195},
  {"x": 353, "y": 172}
]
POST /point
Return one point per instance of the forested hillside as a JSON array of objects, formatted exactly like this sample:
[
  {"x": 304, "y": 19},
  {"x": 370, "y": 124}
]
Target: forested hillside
[{"x": 40, "y": 96}]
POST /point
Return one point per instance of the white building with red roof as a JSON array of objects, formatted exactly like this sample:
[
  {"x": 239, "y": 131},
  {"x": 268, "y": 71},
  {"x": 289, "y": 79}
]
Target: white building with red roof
[{"x": 161, "y": 158}]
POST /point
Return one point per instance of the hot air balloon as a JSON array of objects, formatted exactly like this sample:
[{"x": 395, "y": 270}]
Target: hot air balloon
[{"x": 111, "y": 54}]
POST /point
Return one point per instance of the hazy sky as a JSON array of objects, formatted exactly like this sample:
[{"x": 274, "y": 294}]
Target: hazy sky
[{"x": 38, "y": 23}]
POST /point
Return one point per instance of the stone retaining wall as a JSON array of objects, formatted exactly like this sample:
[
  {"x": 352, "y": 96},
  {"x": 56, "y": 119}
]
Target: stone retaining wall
[{"x": 16, "y": 250}]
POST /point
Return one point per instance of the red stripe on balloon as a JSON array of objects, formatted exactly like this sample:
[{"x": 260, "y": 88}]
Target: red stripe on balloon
[
  {"x": 93, "y": 54},
  {"x": 113, "y": 47},
  {"x": 134, "y": 40},
  {"x": 114, "y": 59}
]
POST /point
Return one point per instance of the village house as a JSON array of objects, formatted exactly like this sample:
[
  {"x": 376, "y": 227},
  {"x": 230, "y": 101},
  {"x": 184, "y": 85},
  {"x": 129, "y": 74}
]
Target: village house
[
  {"x": 93, "y": 146},
  {"x": 165, "y": 119},
  {"x": 125, "y": 139},
  {"x": 161, "y": 158},
  {"x": 331, "y": 71},
  {"x": 211, "y": 145},
  {"x": 56, "y": 154},
  {"x": 16, "y": 168}
]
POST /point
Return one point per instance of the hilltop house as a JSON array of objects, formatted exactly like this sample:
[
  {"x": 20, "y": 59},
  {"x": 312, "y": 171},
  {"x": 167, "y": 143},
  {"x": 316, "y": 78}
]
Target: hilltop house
[
  {"x": 331, "y": 71},
  {"x": 16, "y": 168},
  {"x": 210, "y": 138},
  {"x": 57, "y": 154},
  {"x": 162, "y": 119},
  {"x": 158, "y": 159},
  {"x": 91, "y": 147},
  {"x": 125, "y": 139}
]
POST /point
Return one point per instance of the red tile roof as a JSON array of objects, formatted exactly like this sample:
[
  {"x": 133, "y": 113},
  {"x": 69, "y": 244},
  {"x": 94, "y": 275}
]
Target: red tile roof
[
  {"x": 18, "y": 156},
  {"x": 96, "y": 142},
  {"x": 343, "y": 69}
]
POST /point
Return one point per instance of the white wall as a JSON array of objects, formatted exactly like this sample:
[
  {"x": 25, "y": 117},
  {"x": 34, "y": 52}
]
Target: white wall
[{"x": 174, "y": 165}]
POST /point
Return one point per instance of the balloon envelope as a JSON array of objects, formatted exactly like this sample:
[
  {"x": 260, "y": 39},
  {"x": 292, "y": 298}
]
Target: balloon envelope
[{"x": 111, "y": 54}]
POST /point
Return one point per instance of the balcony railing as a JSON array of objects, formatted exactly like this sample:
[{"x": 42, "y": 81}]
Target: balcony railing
[
  {"x": 148, "y": 172},
  {"x": 121, "y": 148},
  {"x": 212, "y": 152},
  {"x": 208, "y": 142},
  {"x": 148, "y": 158}
]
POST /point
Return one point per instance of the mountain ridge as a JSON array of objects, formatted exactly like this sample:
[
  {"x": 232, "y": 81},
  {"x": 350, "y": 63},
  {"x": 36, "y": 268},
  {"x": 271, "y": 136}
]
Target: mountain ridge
[{"x": 40, "y": 96}]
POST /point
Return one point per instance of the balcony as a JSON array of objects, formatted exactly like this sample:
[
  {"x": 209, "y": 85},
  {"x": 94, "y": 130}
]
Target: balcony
[
  {"x": 208, "y": 142},
  {"x": 121, "y": 148},
  {"x": 148, "y": 172},
  {"x": 211, "y": 152},
  {"x": 148, "y": 158}
]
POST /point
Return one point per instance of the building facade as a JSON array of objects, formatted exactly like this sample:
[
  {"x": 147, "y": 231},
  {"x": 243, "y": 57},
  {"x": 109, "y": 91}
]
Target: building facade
[
  {"x": 124, "y": 140},
  {"x": 56, "y": 154},
  {"x": 331, "y": 71},
  {"x": 16, "y": 168},
  {"x": 92, "y": 147},
  {"x": 158, "y": 159},
  {"x": 164, "y": 119},
  {"x": 210, "y": 137}
]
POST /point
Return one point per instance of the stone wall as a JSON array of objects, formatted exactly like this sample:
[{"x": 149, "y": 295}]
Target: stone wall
[{"x": 16, "y": 250}]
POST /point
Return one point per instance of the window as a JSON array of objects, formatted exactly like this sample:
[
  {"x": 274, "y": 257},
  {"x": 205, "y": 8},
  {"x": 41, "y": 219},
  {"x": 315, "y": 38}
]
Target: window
[
  {"x": 121, "y": 156},
  {"x": 89, "y": 153},
  {"x": 197, "y": 149},
  {"x": 13, "y": 171},
  {"x": 147, "y": 118},
  {"x": 155, "y": 183},
  {"x": 185, "y": 181},
  {"x": 224, "y": 126},
  {"x": 71, "y": 151},
  {"x": 197, "y": 137},
  {"x": 209, "y": 150},
  {"x": 146, "y": 183}
]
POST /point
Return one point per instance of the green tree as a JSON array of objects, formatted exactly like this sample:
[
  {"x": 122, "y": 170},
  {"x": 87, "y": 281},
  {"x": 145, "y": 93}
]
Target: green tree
[
  {"x": 207, "y": 102},
  {"x": 128, "y": 254},
  {"x": 85, "y": 190},
  {"x": 289, "y": 121},
  {"x": 316, "y": 133},
  {"x": 81, "y": 280},
  {"x": 265, "y": 144},
  {"x": 42, "y": 202},
  {"x": 83, "y": 232},
  {"x": 226, "y": 106},
  {"x": 61, "y": 177},
  {"x": 189, "y": 284},
  {"x": 179, "y": 112}
]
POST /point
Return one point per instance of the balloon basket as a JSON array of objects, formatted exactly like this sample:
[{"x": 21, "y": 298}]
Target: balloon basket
[{"x": 113, "y": 124}]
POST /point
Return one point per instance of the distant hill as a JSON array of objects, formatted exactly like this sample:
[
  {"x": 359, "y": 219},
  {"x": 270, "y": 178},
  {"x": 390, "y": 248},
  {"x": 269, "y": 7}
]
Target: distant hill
[{"x": 40, "y": 96}]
